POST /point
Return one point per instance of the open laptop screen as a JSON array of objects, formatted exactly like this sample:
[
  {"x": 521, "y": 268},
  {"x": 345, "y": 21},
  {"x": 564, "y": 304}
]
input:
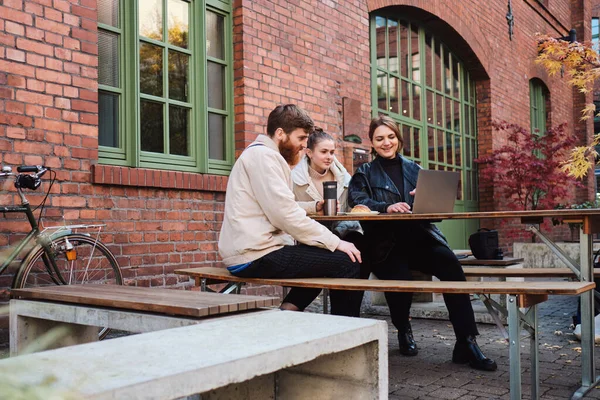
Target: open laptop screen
[{"x": 436, "y": 192}]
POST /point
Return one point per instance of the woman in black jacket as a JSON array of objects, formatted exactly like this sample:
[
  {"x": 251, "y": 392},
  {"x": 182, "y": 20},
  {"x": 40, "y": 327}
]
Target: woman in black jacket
[{"x": 387, "y": 185}]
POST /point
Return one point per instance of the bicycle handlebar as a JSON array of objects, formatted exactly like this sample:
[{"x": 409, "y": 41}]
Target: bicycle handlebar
[
  {"x": 23, "y": 180},
  {"x": 30, "y": 168}
]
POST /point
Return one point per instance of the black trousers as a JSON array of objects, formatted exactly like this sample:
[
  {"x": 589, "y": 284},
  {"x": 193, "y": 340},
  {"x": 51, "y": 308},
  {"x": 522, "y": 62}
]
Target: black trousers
[
  {"x": 430, "y": 257},
  {"x": 304, "y": 261}
]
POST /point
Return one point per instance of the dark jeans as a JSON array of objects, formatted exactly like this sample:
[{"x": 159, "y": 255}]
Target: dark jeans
[
  {"x": 303, "y": 261},
  {"x": 430, "y": 257}
]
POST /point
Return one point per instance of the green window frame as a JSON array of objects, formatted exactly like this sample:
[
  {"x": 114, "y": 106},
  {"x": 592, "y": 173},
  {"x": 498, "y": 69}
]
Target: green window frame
[
  {"x": 166, "y": 84},
  {"x": 596, "y": 34},
  {"x": 424, "y": 86},
  {"x": 419, "y": 82},
  {"x": 538, "y": 96}
]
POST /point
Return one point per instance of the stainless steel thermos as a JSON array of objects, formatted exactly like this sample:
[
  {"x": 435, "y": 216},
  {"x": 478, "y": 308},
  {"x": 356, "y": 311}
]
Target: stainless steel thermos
[{"x": 330, "y": 197}]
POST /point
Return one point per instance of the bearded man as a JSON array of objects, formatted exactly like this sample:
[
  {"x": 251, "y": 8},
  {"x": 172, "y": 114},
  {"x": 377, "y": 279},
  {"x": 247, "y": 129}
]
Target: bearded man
[{"x": 262, "y": 219}]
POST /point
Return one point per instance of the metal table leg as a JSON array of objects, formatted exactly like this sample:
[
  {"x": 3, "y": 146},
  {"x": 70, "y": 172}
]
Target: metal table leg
[
  {"x": 588, "y": 368},
  {"x": 584, "y": 271},
  {"x": 534, "y": 353},
  {"x": 514, "y": 333}
]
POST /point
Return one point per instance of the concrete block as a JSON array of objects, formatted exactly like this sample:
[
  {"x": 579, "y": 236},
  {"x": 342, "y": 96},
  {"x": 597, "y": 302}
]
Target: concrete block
[
  {"x": 229, "y": 353},
  {"x": 539, "y": 255}
]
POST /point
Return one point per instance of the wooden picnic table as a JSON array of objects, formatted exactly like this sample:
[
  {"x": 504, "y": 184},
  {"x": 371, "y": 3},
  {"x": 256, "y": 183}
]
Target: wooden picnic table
[{"x": 589, "y": 220}]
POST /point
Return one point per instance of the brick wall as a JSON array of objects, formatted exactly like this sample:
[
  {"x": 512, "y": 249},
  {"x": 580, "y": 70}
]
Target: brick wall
[
  {"x": 313, "y": 53},
  {"x": 156, "y": 220}
]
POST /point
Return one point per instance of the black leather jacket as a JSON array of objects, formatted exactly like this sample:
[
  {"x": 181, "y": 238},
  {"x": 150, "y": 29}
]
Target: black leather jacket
[{"x": 372, "y": 187}]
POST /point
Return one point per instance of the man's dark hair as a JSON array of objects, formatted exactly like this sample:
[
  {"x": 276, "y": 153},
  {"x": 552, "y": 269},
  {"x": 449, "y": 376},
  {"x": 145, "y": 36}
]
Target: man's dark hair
[{"x": 289, "y": 117}]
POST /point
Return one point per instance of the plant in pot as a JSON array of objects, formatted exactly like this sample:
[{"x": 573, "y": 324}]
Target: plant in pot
[{"x": 526, "y": 171}]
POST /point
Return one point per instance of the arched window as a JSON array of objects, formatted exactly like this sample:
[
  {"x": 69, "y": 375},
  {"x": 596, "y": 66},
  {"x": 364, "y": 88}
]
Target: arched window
[
  {"x": 538, "y": 99},
  {"x": 425, "y": 87}
]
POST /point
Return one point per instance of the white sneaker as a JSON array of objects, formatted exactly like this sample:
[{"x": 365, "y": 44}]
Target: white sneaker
[{"x": 577, "y": 330}]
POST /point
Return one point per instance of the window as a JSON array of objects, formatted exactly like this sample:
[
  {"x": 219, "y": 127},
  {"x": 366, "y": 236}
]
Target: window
[
  {"x": 538, "y": 96},
  {"x": 422, "y": 85},
  {"x": 419, "y": 82},
  {"x": 596, "y": 34},
  {"x": 165, "y": 84}
]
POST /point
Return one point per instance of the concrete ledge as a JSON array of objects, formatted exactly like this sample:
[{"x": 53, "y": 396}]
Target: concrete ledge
[{"x": 329, "y": 355}]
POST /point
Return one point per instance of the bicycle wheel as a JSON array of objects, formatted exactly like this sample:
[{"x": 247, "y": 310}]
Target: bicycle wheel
[{"x": 79, "y": 259}]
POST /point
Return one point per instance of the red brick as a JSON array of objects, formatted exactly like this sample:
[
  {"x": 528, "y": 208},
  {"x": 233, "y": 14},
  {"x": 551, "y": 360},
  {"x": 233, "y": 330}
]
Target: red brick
[
  {"x": 53, "y": 76},
  {"x": 15, "y": 29},
  {"x": 36, "y": 85},
  {"x": 36, "y": 60},
  {"x": 16, "y": 68},
  {"x": 81, "y": 34},
  {"x": 14, "y": 107},
  {"x": 33, "y": 8},
  {"x": 84, "y": 12},
  {"x": 52, "y": 14},
  {"x": 16, "y": 16},
  {"x": 79, "y": 105},
  {"x": 34, "y": 34},
  {"x": 35, "y": 98},
  {"x": 35, "y": 47}
]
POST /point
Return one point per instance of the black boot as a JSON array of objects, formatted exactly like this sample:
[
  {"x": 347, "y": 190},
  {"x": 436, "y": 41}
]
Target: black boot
[
  {"x": 408, "y": 346},
  {"x": 466, "y": 351}
]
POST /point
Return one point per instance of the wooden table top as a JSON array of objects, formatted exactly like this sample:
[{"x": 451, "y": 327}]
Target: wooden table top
[
  {"x": 568, "y": 214},
  {"x": 469, "y": 287},
  {"x": 498, "y": 272},
  {"x": 157, "y": 300}
]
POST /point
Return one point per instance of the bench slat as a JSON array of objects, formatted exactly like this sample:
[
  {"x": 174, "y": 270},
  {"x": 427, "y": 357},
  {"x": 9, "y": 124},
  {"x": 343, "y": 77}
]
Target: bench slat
[
  {"x": 164, "y": 301},
  {"x": 563, "y": 288},
  {"x": 504, "y": 262},
  {"x": 522, "y": 272}
]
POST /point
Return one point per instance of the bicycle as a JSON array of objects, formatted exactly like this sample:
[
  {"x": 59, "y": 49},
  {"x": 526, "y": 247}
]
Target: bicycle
[{"x": 60, "y": 255}]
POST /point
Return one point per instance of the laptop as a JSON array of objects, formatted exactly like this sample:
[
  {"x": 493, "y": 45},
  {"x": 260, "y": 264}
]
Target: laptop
[{"x": 436, "y": 192}]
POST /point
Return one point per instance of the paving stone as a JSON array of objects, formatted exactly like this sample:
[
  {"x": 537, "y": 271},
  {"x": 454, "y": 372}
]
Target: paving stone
[{"x": 449, "y": 393}]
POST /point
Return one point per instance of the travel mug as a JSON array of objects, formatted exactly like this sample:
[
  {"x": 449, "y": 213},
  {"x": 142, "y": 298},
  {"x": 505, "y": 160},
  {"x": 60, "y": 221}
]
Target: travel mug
[{"x": 330, "y": 197}]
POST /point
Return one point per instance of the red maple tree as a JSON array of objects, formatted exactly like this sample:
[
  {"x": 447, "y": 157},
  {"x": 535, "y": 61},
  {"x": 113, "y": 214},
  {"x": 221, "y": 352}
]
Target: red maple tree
[{"x": 527, "y": 170}]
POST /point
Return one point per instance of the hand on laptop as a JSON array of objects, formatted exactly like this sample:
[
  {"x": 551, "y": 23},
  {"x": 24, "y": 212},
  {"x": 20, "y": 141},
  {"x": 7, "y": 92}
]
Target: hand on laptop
[
  {"x": 399, "y": 208},
  {"x": 412, "y": 192}
]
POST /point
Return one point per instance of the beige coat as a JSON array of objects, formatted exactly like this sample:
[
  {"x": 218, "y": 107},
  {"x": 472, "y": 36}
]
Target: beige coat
[
  {"x": 307, "y": 193},
  {"x": 261, "y": 212}
]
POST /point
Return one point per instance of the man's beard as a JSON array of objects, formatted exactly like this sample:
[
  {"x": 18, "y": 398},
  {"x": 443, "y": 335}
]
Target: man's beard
[{"x": 289, "y": 152}]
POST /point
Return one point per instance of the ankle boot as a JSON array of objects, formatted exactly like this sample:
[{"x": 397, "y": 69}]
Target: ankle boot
[
  {"x": 466, "y": 351},
  {"x": 408, "y": 346}
]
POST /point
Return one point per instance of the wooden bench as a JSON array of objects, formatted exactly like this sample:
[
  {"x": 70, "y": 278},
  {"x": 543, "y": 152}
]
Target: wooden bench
[
  {"x": 492, "y": 272},
  {"x": 84, "y": 308},
  {"x": 268, "y": 355},
  {"x": 520, "y": 295},
  {"x": 432, "y": 305}
]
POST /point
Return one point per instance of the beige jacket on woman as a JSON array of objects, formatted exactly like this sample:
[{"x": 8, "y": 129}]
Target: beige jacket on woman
[
  {"x": 261, "y": 212},
  {"x": 307, "y": 194}
]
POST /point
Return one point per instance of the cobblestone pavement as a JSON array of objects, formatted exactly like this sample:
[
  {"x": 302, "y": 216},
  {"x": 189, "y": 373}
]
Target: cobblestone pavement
[{"x": 432, "y": 375}]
